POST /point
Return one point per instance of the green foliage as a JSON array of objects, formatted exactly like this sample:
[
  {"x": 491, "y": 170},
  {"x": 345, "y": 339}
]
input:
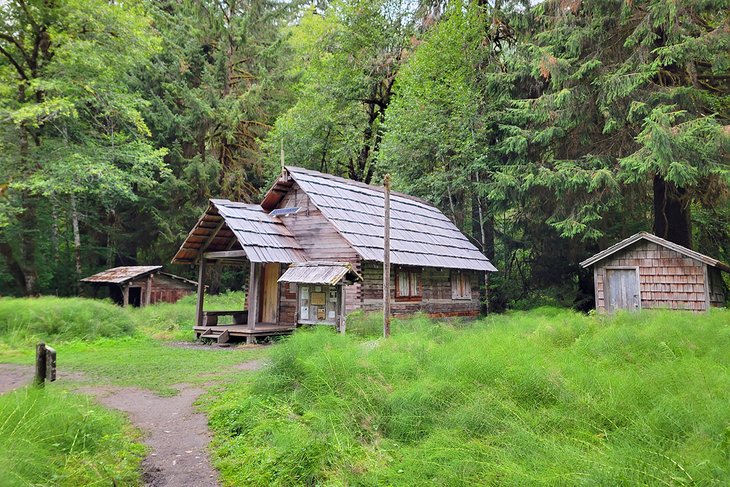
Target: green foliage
[
  {"x": 27, "y": 321},
  {"x": 49, "y": 436},
  {"x": 546, "y": 397}
]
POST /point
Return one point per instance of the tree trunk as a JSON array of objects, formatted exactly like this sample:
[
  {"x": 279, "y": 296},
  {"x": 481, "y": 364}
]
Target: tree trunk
[
  {"x": 77, "y": 235},
  {"x": 671, "y": 213}
]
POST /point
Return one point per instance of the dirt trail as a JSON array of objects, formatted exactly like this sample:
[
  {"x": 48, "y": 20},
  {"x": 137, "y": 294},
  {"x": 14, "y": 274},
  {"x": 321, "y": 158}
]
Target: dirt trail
[{"x": 177, "y": 434}]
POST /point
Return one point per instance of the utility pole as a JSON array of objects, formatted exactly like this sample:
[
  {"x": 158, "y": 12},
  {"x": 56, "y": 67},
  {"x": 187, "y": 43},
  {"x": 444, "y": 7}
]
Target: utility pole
[{"x": 386, "y": 258}]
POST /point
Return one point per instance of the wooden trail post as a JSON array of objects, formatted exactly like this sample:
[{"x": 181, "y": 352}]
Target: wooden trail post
[
  {"x": 386, "y": 258},
  {"x": 45, "y": 364}
]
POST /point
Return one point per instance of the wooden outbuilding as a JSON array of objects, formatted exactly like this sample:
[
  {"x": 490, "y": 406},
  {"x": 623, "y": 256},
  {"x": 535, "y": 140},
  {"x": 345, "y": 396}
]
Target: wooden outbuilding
[
  {"x": 314, "y": 252},
  {"x": 141, "y": 285},
  {"x": 645, "y": 271}
]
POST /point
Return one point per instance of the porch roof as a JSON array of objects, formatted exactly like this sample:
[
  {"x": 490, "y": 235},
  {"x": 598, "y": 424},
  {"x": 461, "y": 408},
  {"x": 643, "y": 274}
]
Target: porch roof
[
  {"x": 326, "y": 273},
  {"x": 227, "y": 225}
]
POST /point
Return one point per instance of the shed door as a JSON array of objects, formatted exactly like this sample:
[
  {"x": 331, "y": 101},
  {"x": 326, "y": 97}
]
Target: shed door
[
  {"x": 623, "y": 289},
  {"x": 270, "y": 292}
]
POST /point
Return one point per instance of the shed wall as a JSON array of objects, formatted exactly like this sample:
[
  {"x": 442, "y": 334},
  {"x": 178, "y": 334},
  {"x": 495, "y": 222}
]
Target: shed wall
[
  {"x": 165, "y": 289},
  {"x": 718, "y": 290},
  {"x": 667, "y": 279}
]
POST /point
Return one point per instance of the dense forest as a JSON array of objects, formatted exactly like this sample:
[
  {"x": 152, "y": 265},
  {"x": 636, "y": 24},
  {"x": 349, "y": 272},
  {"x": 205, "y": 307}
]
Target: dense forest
[{"x": 546, "y": 130}]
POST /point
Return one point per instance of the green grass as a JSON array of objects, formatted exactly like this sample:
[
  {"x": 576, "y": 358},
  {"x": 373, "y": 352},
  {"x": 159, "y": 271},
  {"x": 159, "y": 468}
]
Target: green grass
[
  {"x": 547, "y": 397},
  {"x": 50, "y": 437}
]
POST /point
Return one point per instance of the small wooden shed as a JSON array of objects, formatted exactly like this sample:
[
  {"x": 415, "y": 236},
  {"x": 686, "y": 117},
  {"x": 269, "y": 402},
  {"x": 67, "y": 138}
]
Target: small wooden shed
[
  {"x": 646, "y": 271},
  {"x": 141, "y": 285}
]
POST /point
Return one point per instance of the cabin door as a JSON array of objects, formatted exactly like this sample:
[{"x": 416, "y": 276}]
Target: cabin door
[
  {"x": 269, "y": 292},
  {"x": 623, "y": 289}
]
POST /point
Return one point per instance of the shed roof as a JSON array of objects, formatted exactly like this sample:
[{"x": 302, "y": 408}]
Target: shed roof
[
  {"x": 421, "y": 235},
  {"x": 659, "y": 241},
  {"x": 120, "y": 275},
  {"x": 227, "y": 225},
  {"x": 314, "y": 272}
]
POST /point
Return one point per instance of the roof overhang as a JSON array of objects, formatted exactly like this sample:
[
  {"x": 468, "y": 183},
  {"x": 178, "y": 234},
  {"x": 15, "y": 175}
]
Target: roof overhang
[
  {"x": 120, "y": 275},
  {"x": 324, "y": 273},
  {"x": 237, "y": 232},
  {"x": 659, "y": 241}
]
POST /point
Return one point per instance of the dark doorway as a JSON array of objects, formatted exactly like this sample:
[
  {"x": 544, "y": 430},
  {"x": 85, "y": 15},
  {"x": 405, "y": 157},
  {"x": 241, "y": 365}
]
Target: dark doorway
[{"x": 135, "y": 296}]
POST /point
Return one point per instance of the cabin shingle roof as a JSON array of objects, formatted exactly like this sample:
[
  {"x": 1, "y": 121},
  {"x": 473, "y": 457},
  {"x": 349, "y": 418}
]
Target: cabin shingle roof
[{"x": 421, "y": 235}]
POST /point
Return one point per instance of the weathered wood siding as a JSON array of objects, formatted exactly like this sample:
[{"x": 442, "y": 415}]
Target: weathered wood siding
[
  {"x": 319, "y": 239},
  {"x": 667, "y": 279},
  {"x": 164, "y": 289},
  {"x": 436, "y": 295}
]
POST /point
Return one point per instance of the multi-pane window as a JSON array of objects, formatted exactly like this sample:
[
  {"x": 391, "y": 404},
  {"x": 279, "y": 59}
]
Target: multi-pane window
[
  {"x": 460, "y": 285},
  {"x": 408, "y": 283}
]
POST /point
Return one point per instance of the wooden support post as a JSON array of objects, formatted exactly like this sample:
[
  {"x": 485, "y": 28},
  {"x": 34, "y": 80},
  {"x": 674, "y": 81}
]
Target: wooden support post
[
  {"x": 201, "y": 293},
  {"x": 125, "y": 295},
  {"x": 253, "y": 294},
  {"x": 40, "y": 364},
  {"x": 148, "y": 291},
  {"x": 343, "y": 308},
  {"x": 386, "y": 258}
]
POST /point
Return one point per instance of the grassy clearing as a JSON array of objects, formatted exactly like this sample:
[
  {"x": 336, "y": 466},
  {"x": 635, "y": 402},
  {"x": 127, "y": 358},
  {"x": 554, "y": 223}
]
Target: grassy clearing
[
  {"x": 547, "y": 397},
  {"x": 113, "y": 345},
  {"x": 50, "y": 437}
]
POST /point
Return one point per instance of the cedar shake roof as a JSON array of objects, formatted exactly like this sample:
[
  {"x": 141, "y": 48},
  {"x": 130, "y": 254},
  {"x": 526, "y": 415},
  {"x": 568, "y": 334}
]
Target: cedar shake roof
[
  {"x": 421, "y": 235},
  {"x": 119, "y": 275},
  {"x": 227, "y": 225},
  {"x": 659, "y": 241}
]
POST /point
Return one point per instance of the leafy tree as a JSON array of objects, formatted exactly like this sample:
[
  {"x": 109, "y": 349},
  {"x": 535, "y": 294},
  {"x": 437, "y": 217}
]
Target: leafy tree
[{"x": 72, "y": 131}]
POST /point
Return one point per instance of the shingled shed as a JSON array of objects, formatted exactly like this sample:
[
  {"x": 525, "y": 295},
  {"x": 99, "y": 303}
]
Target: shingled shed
[
  {"x": 314, "y": 247},
  {"x": 646, "y": 271},
  {"x": 141, "y": 285}
]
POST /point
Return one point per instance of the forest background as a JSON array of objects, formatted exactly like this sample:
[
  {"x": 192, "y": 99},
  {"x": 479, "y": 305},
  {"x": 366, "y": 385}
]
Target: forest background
[{"x": 547, "y": 131}]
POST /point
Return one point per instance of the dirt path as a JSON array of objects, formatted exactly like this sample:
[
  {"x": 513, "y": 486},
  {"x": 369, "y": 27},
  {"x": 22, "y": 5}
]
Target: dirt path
[{"x": 176, "y": 433}]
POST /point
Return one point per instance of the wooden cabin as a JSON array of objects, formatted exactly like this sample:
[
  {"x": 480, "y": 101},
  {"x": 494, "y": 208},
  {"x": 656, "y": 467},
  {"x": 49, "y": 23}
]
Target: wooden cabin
[
  {"x": 645, "y": 271},
  {"x": 141, "y": 285},
  {"x": 314, "y": 252}
]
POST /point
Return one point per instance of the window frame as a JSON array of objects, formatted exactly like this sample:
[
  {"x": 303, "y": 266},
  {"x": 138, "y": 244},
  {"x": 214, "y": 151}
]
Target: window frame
[
  {"x": 411, "y": 272},
  {"x": 461, "y": 280}
]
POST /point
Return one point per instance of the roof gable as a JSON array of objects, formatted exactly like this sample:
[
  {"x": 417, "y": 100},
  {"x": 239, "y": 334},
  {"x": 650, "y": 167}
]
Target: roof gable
[
  {"x": 659, "y": 241},
  {"x": 226, "y": 224},
  {"x": 421, "y": 235}
]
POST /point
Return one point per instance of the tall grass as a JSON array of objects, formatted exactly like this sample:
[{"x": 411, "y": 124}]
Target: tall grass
[
  {"x": 547, "y": 397},
  {"x": 27, "y": 320},
  {"x": 49, "y": 437}
]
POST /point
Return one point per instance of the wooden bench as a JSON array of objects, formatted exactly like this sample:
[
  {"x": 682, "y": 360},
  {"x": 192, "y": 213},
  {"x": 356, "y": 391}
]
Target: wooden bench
[{"x": 210, "y": 318}]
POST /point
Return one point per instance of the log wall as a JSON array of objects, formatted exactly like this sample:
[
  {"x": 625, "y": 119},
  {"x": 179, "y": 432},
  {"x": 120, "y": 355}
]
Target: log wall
[
  {"x": 667, "y": 279},
  {"x": 436, "y": 295}
]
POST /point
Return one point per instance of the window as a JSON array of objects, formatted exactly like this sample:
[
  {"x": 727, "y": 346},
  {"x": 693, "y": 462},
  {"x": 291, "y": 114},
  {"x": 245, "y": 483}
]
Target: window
[
  {"x": 460, "y": 285},
  {"x": 407, "y": 284}
]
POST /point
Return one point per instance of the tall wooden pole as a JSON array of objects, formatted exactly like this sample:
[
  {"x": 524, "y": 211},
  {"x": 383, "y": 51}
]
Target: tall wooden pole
[
  {"x": 386, "y": 258},
  {"x": 201, "y": 292}
]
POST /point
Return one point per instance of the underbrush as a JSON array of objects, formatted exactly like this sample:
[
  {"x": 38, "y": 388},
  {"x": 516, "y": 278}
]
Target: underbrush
[
  {"x": 546, "y": 397},
  {"x": 25, "y": 321},
  {"x": 50, "y": 437}
]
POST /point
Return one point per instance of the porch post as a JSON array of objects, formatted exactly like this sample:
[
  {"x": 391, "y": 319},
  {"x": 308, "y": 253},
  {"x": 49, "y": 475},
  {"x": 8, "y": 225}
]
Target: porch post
[
  {"x": 343, "y": 307},
  {"x": 148, "y": 291},
  {"x": 125, "y": 294},
  {"x": 253, "y": 294},
  {"x": 201, "y": 293}
]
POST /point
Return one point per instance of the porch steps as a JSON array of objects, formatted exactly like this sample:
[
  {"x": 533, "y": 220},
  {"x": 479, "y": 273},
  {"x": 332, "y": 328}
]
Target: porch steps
[{"x": 220, "y": 336}]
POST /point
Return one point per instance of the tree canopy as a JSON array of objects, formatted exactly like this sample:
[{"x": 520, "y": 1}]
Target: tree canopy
[{"x": 545, "y": 130}]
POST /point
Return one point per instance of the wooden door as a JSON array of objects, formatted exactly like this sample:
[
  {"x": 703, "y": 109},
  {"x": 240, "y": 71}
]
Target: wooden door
[
  {"x": 623, "y": 289},
  {"x": 269, "y": 292}
]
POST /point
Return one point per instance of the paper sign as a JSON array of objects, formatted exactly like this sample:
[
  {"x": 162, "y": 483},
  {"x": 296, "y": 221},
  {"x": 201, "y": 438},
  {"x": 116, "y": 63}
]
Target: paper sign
[
  {"x": 304, "y": 313},
  {"x": 318, "y": 299},
  {"x": 331, "y": 314},
  {"x": 305, "y": 292}
]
